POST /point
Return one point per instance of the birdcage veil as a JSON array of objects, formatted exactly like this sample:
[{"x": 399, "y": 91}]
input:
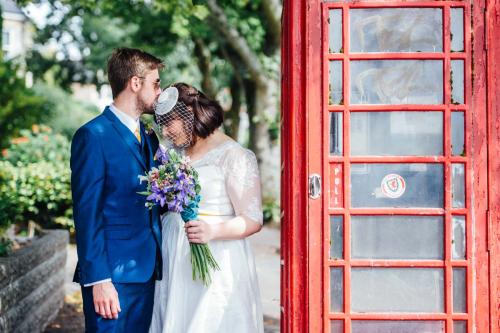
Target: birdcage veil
[{"x": 174, "y": 120}]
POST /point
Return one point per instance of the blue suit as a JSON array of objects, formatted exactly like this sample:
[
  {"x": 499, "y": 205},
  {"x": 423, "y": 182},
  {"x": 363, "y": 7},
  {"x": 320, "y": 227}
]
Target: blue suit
[{"x": 117, "y": 236}]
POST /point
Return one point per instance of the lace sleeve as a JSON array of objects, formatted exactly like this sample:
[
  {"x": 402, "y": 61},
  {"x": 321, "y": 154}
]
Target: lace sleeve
[{"x": 243, "y": 183}]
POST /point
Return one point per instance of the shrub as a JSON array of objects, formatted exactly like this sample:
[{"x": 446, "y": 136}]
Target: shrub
[
  {"x": 68, "y": 114},
  {"x": 271, "y": 210},
  {"x": 39, "y": 144},
  {"x": 35, "y": 180},
  {"x": 19, "y": 106}
]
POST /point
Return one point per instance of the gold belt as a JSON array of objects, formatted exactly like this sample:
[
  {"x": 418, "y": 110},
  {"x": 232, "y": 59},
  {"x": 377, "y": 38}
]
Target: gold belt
[{"x": 210, "y": 214}]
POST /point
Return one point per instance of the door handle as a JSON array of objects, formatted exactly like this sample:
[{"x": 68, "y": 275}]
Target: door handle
[{"x": 314, "y": 186}]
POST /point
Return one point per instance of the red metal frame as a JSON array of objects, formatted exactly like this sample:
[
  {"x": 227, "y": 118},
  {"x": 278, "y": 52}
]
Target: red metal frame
[
  {"x": 493, "y": 121},
  {"x": 479, "y": 180},
  {"x": 293, "y": 172},
  {"x": 305, "y": 222}
]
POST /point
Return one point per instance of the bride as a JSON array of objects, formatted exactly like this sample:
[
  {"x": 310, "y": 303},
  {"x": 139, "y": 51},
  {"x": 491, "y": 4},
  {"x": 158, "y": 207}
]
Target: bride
[{"x": 230, "y": 211}]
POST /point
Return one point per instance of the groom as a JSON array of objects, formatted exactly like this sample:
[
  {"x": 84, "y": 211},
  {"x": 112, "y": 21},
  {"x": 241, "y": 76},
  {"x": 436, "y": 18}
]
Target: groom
[{"x": 118, "y": 238}]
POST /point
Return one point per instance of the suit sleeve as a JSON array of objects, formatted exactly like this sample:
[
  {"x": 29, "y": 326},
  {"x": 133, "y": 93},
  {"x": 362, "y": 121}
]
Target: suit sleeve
[{"x": 87, "y": 186}]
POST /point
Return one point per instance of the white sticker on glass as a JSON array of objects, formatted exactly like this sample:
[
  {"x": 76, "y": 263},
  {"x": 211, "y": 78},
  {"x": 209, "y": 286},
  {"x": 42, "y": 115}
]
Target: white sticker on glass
[{"x": 393, "y": 186}]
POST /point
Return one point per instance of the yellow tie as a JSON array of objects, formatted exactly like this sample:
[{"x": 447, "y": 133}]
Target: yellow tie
[{"x": 137, "y": 134}]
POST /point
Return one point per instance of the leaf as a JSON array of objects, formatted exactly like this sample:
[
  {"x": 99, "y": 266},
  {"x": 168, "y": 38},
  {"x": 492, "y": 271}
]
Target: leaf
[{"x": 200, "y": 12}]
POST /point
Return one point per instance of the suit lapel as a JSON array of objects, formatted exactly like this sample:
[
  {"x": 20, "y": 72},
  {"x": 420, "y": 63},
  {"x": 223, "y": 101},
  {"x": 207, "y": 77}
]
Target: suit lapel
[
  {"x": 126, "y": 136},
  {"x": 149, "y": 145}
]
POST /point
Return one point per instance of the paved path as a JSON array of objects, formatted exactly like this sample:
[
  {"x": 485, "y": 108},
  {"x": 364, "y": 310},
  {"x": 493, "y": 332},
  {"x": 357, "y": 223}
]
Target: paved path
[{"x": 265, "y": 245}]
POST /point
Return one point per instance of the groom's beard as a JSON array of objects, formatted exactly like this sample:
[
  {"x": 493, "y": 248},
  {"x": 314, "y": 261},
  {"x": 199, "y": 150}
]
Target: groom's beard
[{"x": 143, "y": 107}]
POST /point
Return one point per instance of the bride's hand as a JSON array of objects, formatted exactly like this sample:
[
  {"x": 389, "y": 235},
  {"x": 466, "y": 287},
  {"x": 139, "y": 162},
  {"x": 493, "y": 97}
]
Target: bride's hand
[{"x": 198, "y": 232}]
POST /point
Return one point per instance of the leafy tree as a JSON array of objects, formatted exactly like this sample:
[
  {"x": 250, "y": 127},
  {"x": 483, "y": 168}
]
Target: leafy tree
[
  {"x": 19, "y": 106},
  {"x": 1, "y": 32},
  {"x": 228, "y": 47}
]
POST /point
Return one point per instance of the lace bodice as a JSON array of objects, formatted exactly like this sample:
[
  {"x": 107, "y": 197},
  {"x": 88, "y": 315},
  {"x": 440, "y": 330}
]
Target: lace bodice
[{"x": 230, "y": 182}]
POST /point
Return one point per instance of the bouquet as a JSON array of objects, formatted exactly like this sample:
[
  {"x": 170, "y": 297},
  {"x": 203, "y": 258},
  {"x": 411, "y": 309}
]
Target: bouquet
[{"x": 174, "y": 184}]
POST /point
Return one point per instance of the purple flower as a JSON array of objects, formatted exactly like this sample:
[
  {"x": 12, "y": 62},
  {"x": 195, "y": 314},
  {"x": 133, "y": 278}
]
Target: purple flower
[
  {"x": 162, "y": 156},
  {"x": 173, "y": 183}
]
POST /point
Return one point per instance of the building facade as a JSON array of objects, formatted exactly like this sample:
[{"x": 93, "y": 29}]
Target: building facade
[{"x": 17, "y": 30}]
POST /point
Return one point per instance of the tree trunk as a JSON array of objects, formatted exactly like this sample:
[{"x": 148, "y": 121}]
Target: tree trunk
[
  {"x": 266, "y": 104},
  {"x": 204, "y": 64},
  {"x": 252, "y": 113},
  {"x": 232, "y": 118},
  {"x": 262, "y": 106}
]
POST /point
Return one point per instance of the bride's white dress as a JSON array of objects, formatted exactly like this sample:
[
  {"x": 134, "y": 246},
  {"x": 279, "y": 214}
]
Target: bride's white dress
[{"x": 230, "y": 186}]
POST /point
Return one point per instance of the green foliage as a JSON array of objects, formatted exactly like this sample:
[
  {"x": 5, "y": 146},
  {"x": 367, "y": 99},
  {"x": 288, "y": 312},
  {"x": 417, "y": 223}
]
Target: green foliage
[
  {"x": 271, "y": 210},
  {"x": 38, "y": 144},
  {"x": 19, "y": 106},
  {"x": 5, "y": 246},
  {"x": 68, "y": 114},
  {"x": 9, "y": 209},
  {"x": 166, "y": 28},
  {"x": 95, "y": 29},
  {"x": 1, "y": 34},
  {"x": 35, "y": 180}
]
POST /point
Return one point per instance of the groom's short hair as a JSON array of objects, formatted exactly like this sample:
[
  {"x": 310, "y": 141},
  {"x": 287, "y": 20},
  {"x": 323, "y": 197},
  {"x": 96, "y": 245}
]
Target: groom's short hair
[{"x": 127, "y": 62}]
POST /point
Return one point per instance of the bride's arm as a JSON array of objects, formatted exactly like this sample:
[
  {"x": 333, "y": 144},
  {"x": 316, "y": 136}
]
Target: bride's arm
[
  {"x": 244, "y": 190},
  {"x": 236, "y": 228}
]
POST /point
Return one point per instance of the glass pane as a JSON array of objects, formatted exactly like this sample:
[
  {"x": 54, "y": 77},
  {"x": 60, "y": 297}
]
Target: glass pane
[
  {"x": 458, "y": 239},
  {"x": 335, "y": 30},
  {"x": 460, "y": 326},
  {"x": 335, "y": 86},
  {"x": 336, "y": 289},
  {"x": 459, "y": 290},
  {"x": 397, "y": 185},
  {"x": 400, "y": 326},
  {"x": 397, "y": 290},
  {"x": 458, "y": 185},
  {"x": 396, "y": 30},
  {"x": 336, "y": 140},
  {"x": 457, "y": 29},
  {"x": 397, "y": 237},
  {"x": 397, "y": 133},
  {"x": 457, "y": 82},
  {"x": 396, "y": 82},
  {"x": 336, "y": 237},
  {"x": 336, "y": 326},
  {"x": 457, "y": 134}
]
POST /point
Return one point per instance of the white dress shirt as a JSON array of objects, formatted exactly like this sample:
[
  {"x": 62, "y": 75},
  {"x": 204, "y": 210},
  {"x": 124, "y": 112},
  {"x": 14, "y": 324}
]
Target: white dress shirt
[{"x": 132, "y": 124}]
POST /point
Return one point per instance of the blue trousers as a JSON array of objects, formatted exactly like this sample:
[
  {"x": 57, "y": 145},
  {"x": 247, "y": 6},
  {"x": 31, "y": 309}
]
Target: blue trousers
[{"x": 136, "y": 302}]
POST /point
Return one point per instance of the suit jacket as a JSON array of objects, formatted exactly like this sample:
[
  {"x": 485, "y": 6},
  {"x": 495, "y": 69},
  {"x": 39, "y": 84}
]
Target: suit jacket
[{"x": 117, "y": 236}]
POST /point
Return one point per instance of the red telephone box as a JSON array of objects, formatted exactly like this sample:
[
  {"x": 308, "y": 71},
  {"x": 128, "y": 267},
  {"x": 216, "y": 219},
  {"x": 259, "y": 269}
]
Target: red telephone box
[{"x": 390, "y": 166}]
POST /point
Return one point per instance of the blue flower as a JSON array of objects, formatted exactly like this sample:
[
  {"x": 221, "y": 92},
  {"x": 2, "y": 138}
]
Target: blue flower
[{"x": 190, "y": 211}]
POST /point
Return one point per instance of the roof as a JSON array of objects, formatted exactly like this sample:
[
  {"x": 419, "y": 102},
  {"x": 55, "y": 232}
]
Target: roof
[{"x": 9, "y": 6}]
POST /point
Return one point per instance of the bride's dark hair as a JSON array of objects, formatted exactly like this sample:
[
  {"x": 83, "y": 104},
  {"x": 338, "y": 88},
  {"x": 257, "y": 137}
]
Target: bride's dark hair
[{"x": 208, "y": 114}]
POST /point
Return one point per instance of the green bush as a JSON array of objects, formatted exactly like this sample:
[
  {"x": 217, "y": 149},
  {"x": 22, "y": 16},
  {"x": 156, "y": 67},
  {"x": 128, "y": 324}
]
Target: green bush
[
  {"x": 35, "y": 180},
  {"x": 19, "y": 106},
  {"x": 36, "y": 145},
  {"x": 10, "y": 209},
  {"x": 68, "y": 114},
  {"x": 271, "y": 210}
]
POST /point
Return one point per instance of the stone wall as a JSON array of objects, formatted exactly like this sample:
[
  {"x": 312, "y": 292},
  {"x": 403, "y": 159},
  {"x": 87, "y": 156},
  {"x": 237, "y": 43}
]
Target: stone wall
[{"x": 32, "y": 284}]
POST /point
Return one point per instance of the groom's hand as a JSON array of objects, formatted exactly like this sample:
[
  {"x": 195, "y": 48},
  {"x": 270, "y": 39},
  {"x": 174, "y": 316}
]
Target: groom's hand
[{"x": 106, "y": 301}]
